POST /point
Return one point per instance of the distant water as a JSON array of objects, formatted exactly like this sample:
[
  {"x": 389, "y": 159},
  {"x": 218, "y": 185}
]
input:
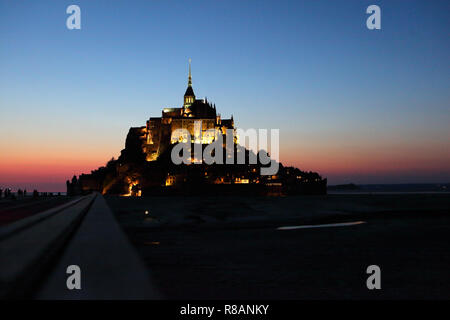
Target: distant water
[{"x": 424, "y": 188}]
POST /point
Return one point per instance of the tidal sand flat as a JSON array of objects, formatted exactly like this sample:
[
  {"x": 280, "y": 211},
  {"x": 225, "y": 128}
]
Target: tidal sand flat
[{"x": 233, "y": 247}]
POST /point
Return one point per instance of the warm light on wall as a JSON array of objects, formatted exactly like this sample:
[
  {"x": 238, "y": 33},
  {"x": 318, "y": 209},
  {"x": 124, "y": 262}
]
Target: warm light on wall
[
  {"x": 170, "y": 181},
  {"x": 132, "y": 183}
]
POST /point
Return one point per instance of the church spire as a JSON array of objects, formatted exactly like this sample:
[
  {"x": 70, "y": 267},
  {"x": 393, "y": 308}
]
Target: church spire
[
  {"x": 190, "y": 77},
  {"x": 189, "y": 96}
]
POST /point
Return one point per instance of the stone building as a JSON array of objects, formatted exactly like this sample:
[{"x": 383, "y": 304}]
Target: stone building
[
  {"x": 137, "y": 173},
  {"x": 158, "y": 134}
]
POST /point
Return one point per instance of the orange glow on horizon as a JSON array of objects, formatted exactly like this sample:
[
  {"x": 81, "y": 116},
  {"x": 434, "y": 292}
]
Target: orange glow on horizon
[{"x": 47, "y": 167}]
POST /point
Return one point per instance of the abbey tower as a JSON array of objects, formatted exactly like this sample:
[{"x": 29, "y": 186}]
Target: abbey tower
[{"x": 156, "y": 136}]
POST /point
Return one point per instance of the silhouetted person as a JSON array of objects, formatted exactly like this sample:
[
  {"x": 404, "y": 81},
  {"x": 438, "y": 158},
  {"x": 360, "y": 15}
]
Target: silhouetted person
[
  {"x": 25, "y": 192},
  {"x": 35, "y": 193},
  {"x": 73, "y": 188},
  {"x": 20, "y": 193},
  {"x": 1, "y": 193},
  {"x": 68, "y": 188}
]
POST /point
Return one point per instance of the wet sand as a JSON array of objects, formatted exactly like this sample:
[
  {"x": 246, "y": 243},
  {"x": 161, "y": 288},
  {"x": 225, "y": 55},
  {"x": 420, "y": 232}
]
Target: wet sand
[{"x": 231, "y": 247}]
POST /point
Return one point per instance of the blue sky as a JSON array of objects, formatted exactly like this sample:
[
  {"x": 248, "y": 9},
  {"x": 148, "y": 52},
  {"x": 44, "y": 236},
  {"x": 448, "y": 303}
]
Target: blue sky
[{"x": 368, "y": 106}]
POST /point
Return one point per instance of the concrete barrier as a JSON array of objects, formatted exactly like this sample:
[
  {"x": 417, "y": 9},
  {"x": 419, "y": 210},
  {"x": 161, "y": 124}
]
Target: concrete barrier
[
  {"x": 15, "y": 227},
  {"x": 28, "y": 246},
  {"x": 110, "y": 266}
]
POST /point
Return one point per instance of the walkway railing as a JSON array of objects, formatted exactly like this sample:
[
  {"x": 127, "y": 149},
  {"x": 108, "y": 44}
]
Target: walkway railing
[{"x": 35, "y": 253}]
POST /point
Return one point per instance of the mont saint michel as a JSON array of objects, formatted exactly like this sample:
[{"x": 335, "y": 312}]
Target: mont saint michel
[{"x": 144, "y": 166}]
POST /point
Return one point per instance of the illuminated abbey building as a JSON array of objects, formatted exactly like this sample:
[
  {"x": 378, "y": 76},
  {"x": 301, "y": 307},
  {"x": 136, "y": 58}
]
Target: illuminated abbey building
[
  {"x": 157, "y": 136},
  {"x": 144, "y": 166}
]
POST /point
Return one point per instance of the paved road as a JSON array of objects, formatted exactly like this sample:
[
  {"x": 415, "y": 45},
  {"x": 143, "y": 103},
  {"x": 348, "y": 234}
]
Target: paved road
[{"x": 319, "y": 263}]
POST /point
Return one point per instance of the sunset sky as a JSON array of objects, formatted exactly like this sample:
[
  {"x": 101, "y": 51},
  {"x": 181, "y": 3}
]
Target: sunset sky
[{"x": 356, "y": 105}]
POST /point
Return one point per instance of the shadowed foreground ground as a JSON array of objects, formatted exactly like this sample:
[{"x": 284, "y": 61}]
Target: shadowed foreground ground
[
  {"x": 14, "y": 210},
  {"x": 228, "y": 247}
]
